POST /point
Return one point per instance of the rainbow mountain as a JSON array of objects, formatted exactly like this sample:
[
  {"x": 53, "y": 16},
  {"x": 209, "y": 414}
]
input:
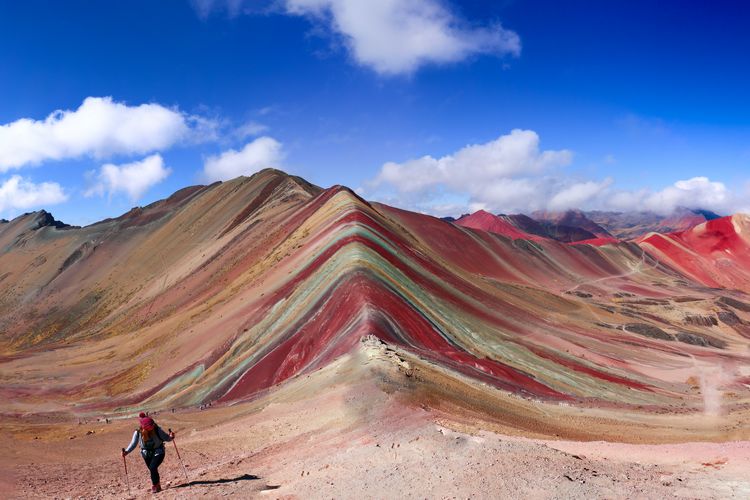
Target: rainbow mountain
[{"x": 220, "y": 293}]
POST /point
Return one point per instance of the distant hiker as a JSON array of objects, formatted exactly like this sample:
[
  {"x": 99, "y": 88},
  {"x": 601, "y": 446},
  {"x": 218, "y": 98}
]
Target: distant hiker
[{"x": 151, "y": 438}]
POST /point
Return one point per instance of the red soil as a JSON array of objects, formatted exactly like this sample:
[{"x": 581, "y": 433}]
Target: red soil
[
  {"x": 486, "y": 221},
  {"x": 597, "y": 242}
]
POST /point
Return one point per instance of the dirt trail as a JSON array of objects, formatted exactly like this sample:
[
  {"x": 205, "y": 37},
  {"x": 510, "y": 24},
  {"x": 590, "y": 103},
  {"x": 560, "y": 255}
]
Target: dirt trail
[{"x": 354, "y": 430}]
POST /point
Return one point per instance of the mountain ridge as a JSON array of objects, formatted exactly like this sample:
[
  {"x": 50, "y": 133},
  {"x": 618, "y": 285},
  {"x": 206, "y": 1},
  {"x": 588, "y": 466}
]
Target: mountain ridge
[{"x": 246, "y": 284}]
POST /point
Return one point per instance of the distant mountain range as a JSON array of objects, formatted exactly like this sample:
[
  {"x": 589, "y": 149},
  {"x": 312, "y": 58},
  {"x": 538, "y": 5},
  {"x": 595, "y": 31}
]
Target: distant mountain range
[
  {"x": 577, "y": 226},
  {"x": 630, "y": 225}
]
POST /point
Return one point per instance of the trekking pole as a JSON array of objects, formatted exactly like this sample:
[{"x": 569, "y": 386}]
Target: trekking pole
[
  {"x": 127, "y": 479},
  {"x": 179, "y": 457}
]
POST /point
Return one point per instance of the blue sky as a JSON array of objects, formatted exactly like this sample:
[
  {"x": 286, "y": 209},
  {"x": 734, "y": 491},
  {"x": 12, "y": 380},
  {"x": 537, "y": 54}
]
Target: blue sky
[{"x": 435, "y": 105}]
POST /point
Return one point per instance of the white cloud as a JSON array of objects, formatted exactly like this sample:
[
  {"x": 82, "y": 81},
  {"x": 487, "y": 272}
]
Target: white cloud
[
  {"x": 511, "y": 174},
  {"x": 99, "y": 128},
  {"x": 389, "y": 36},
  {"x": 399, "y": 36},
  {"x": 19, "y": 193},
  {"x": 133, "y": 179},
  {"x": 202, "y": 129},
  {"x": 249, "y": 129},
  {"x": 506, "y": 194},
  {"x": 472, "y": 167},
  {"x": 698, "y": 192},
  {"x": 261, "y": 153},
  {"x": 498, "y": 174},
  {"x": 577, "y": 195}
]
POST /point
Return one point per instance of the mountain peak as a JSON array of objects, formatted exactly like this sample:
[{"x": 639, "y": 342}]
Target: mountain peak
[
  {"x": 571, "y": 225},
  {"x": 42, "y": 218},
  {"x": 485, "y": 221}
]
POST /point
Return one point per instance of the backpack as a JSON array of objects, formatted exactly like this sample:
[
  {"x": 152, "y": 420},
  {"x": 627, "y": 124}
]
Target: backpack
[{"x": 153, "y": 442}]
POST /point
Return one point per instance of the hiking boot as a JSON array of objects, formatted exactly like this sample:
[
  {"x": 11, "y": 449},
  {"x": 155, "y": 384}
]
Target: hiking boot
[{"x": 157, "y": 488}]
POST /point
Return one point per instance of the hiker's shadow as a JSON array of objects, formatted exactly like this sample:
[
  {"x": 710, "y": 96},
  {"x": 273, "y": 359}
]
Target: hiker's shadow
[{"x": 244, "y": 477}]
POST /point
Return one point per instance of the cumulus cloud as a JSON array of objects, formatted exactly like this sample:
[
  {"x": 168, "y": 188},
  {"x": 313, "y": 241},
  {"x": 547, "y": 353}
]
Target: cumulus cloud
[
  {"x": 698, "y": 192},
  {"x": 511, "y": 174},
  {"x": 263, "y": 152},
  {"x": 399, "y": 36},
  {"x": 496, "y": 174},
  {"x": 477, "y": 166},
  {"x": 389, "y": 36},
  {"x": 694, "y": 193},
  {"x": 20, "y": 193},
  {"x": 99, "y": 128},
  {"x": 133, "y": 179},
  {"x": 577, "y": 194}
]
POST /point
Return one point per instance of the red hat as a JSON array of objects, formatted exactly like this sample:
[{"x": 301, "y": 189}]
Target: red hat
[
  {"x": 141, "y": 415},
  {"x": 147, "y": 423}
]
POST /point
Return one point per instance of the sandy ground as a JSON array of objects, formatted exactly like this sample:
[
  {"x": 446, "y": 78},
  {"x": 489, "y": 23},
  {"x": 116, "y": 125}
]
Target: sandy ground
[{"x": 356, "y": 430}]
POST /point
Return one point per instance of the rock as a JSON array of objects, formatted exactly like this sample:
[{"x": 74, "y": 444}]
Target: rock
[
  {"x": 648, "y": 331},
  {"x": 698, "y": 320},
  {"x": 700, "y": 340},
  {"x": 739, "y": 305},
  {"x": 729, "y": 318}
]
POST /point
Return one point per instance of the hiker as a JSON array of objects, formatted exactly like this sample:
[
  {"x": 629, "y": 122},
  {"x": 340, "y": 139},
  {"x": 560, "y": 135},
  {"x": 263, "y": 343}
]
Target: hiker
[{"x": 151, "y": 438}]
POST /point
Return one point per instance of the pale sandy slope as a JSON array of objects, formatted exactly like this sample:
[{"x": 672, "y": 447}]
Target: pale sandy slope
[{"x": 366, "y": 427}]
